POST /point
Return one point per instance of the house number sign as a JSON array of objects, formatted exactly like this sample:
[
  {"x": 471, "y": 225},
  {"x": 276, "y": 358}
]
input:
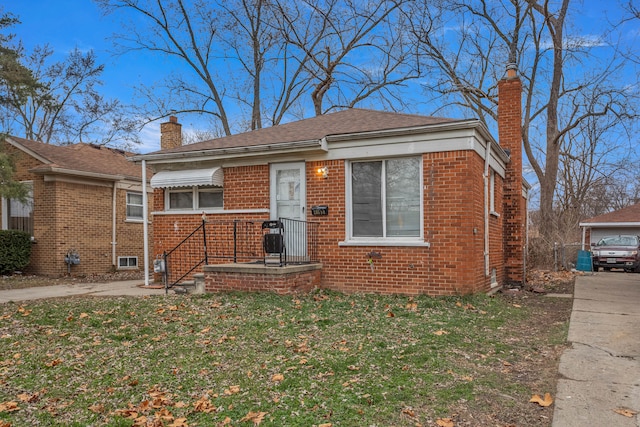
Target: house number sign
[{"x": 321, "y": 210}]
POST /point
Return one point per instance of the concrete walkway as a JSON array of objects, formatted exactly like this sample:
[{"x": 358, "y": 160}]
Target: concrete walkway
[
  {"x": 600, "y": 373},
  {"x": 127, "y": 287}
]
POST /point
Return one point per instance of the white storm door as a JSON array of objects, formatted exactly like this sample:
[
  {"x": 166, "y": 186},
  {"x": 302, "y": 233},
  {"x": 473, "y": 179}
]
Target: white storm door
[
  {"x": 288, "y": 200},
  {"x": 288, "y": 192}
]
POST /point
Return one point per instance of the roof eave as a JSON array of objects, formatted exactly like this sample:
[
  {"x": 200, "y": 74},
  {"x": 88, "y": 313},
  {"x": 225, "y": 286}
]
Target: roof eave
[
  {"x": 610, "y": 224},
  {"x": 30, "y": 152},
  {"x": 221, "y": 153},
  {"x": 63, "y": 171}
]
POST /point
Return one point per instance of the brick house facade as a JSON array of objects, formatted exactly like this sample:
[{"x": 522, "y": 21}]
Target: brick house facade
[
  {"x": 85, "y": 198},
  {"x": 439, "y": 202}
]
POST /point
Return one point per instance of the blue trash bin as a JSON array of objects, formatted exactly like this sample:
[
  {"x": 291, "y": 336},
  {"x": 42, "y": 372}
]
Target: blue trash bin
[{"x": 584, "y": 261}]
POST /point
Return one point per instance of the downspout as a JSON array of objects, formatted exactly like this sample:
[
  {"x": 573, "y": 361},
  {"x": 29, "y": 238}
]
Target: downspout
[
  {"x": 487, "y": 154},
  {"x": 584, "y": 236},
  {"x": 145, "y": 223},
  {"x": 114, "y": 235}
]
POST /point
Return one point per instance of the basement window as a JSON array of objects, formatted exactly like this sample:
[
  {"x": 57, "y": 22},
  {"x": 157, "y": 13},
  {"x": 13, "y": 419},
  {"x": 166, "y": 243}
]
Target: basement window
[{"x": 127, "y": 262}]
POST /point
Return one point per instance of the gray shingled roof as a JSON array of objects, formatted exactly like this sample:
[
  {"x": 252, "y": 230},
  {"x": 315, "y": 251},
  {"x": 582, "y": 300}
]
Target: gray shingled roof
[
  {"x": 344, "y": 122},
  {"x": 93, "y": 159},
  {"x": 628, "y": 214}
]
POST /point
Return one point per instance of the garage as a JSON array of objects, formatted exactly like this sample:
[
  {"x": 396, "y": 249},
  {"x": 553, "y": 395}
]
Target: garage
[{"x": 623, "y": 221}]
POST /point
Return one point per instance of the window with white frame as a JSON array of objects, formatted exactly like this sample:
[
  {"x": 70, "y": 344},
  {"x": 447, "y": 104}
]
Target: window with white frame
[
  {"x": 194, "y": 198},
  {"x": 18, "y": 214},
  {"x": 386, "y": 199},
  {"x": 492, "y": 191},
  {"x": 127, "y": 262},
  {"x": 134, "y": 206}
]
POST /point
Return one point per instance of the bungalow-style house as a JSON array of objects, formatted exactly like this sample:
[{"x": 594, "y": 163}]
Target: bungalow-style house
[
  {"x": 370, "y": 201},
  {"x": 622, "y": 221},
  {"x": 85, "y": 212}
]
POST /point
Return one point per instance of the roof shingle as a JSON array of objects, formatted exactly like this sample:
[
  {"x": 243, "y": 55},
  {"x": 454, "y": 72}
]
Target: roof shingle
[
  {"x": 628, "y": 214},
  {"x": 353, "y": 120},
  {"x": 82, "y": 157}
]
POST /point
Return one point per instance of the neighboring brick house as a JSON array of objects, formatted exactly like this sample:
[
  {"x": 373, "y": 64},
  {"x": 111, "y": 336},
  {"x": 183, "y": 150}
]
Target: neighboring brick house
[
  {"x": 622, "y": 221},
  {"x": 84, "y": 198},
  {"x": 408, "y": 204}
]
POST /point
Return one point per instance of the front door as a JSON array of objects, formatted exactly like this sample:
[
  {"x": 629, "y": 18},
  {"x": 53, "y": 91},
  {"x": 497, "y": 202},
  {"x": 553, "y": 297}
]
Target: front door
[{"x": 288, "y": 200}]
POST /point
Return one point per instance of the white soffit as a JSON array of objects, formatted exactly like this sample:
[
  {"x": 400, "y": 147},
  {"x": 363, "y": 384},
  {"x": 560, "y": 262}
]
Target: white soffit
[{"x": 188, "y": 178}]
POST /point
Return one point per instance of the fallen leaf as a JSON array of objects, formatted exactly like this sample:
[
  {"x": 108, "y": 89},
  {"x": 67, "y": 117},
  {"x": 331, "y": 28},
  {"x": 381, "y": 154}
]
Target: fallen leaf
[
  {"x": 5, "y": 424},
  {"x": 97, "y": 409},
  {"x": 54, "y": 362},
  {"x": 29, "y": 398},
  {"x": 256, "y": 417},
  {"x": 445, "y": 422},
  {"x": 325, "y": 425},
  {"x": 409, "y": 412},
  {"x": 277, "y": 378},
  {"x": 232, "y": 390},
  {"x": 547, "y": 401},
  {"x": 390, "y": 314},
  {"x": 204, "y": 405},
  {"x": 625, "y": 412},
  {"x": 9, "y": 406},
  {"x": 179, "y": 422},
  {"x": 440, "y": 332},
  {"x": 83, "y": 315}
]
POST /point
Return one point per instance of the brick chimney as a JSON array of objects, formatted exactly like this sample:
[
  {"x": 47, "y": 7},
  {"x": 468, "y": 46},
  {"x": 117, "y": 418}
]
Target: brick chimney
[
  {"x": 170, "y": 134},
  {"x": 515, "y": 210}
]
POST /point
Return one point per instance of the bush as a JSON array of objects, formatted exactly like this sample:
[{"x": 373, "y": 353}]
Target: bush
[{"x": 15, "y": 250}]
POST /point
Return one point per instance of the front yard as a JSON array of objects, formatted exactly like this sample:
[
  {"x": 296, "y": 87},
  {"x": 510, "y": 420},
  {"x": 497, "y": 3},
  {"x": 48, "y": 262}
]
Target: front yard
[{"x": 323, "y": 359}]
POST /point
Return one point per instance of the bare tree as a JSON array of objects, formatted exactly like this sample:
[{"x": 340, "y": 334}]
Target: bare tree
[
  {"x": 66, "y": 106},
  {"x": 16, "y": 80},
  {"x": 564, "y": 85},
  {"x": 351, "y": 50},
  {"x": 264, "y": 57}
]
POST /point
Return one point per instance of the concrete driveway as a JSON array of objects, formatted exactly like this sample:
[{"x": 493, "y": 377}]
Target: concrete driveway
[
  {"x": 600, "y": 373},
  {"x": 127, "y": 287}
]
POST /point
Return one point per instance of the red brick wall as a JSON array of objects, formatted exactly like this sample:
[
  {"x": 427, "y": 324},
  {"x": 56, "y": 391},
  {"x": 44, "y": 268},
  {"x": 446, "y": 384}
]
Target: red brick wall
[
  {"x": 254, "y": 282},
  {"x": 453, "y": 219},
  {"x": 76, "y": 215}
]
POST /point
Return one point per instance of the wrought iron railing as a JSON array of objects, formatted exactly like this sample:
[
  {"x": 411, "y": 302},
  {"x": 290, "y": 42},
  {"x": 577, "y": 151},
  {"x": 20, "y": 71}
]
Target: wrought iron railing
[{"x": 280, "y": 242}]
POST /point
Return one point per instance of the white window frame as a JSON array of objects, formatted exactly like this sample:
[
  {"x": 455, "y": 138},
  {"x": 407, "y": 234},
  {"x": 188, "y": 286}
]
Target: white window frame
[
  {"x": 4, "y": 223},
  {"x": 492, "y": 193},
  {"x": 128, "y": 266},
  {"x": 141, "y": 206},
  {"x": 351, "y": 240},
  {"x": 194, "y": 198}
]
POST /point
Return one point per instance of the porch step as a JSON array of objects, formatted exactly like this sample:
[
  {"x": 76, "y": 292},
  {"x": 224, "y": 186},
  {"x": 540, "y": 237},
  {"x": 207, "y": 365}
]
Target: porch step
[{"x": 185, "y": 287}]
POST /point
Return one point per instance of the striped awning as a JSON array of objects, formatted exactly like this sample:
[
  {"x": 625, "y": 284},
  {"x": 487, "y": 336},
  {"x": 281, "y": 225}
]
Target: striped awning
[{"x": 188, "y": 178}]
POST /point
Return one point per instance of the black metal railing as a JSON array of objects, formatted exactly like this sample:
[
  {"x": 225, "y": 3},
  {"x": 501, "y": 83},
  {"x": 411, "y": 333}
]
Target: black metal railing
[{"x": 241, "y": 241}]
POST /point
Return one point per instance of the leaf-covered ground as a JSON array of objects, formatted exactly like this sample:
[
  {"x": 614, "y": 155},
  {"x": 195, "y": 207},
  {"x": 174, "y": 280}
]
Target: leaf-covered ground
[{"x": 322, "y": 359}]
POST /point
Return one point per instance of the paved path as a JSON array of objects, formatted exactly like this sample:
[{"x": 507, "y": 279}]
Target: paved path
[
  {"x": 128, "y": 287},
  {"x": 600, "y": 373}
]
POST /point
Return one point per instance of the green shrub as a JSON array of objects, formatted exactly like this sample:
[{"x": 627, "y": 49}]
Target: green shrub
[{"x": 15, "y": 250}]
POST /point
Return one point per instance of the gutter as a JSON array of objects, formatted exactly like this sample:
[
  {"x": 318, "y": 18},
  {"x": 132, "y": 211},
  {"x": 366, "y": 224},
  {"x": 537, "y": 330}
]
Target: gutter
[
  {"x": 114, "y": 234},
  {"x": 145, "y": 223},
  {"x": 217, "y": 153},
  {"x": 609, "y": 224},
  {"x": 63, "y": 171},
  {"x": 486, "y": 208}
]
